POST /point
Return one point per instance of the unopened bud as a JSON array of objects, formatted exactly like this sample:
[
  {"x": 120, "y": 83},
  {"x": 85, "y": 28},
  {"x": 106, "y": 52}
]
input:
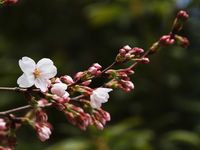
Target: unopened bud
[
  {"x": 182, "y": 41},
  {"x": 79, "y": 75},
  {"x": 92, "y": 70},
  {"x": 154, "y": 48},
  {"x": 181, "y": 18},
  {"x": 99, "y": 125},
  {"x": 166, "y": 40},
  {"x": 182, "y": 15},
  {"x": 96, "y": 65},
  {"x": 67, "y": 79},
  {"x": 137, "y": 50},
  {"x": 127, "y": 48},
  {"x": 9, "y": 1},
  {"x": 122, "y": 52},
  {"x": 2, "y": 124},
  {"x": 145, "y": 60}
]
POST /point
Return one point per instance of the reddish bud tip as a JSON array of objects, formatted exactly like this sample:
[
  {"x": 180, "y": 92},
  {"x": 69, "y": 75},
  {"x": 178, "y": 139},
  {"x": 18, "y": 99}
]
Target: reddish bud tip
[
  {"x": 183, "y": 15},
  {"x": 166, "y": 40}
]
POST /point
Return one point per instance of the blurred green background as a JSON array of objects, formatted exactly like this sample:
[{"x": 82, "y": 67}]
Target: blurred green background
[{"x": 161, "y": 113}]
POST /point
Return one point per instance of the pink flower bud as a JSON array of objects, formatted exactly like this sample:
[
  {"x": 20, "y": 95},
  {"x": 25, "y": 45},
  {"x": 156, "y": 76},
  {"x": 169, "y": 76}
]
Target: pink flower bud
[
  {"x": 166, "y": 40},
  {"x": 127, "y": 55},
  {"x": 127, "y": 48},
  {"x": 78, "y": 75},
  {"x": 145, "y": 60},
  {"x": 43, "y": 131},
  {"x": 2, "y": 124},
  {"x": 63, "y": 100},
  {"x": 67, "y": 79},
  {"x": 182, "y": 41},
  {"x": 92, "y": 70},
  {"x": 122, "y": 52},
  {"x": 105, "y": 114},
  {"x": 137, "y": 50},
  {"x": 99, "y": 125},
  {"x": 96, "y": 65},
  {"x": 183, "y": 15},
  {"x": 10, "y": 1},
  {"x": 5, "y": 148}
]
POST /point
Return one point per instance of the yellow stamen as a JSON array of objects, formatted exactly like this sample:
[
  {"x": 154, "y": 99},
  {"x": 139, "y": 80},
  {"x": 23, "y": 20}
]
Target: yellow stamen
[{"x": 37, "y": 73}]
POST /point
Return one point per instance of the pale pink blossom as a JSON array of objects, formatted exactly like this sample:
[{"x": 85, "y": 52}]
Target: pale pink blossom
[
  {"x": 59, "y": 89},
  {"x": 99, "y": 96},
  {"x": 36, "y": 74}
]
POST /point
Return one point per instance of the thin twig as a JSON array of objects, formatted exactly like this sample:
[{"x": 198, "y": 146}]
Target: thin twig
[
  {"x": 18, "y": 89},
  {"x": 4, "y": 113}
]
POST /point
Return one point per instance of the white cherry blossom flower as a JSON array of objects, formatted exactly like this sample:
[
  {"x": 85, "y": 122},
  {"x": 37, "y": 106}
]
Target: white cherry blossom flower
[
  {"x": 36, "y": 74},
  {"x": 99, "y": 96},
  {"x": 59, "y": 89}
]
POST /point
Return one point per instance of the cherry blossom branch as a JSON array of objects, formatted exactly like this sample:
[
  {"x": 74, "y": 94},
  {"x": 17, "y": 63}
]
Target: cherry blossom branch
[
  {"x": 152, "y": 49},
  {"x": 79, "y": 101}
]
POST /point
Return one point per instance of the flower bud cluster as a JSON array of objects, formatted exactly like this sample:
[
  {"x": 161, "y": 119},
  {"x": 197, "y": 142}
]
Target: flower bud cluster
[
  {"x": 120, "y": 79},
  {"x": 76, "y": 116},
  {"x": 100, "y": 117},
  {"x": 170, "y": 39},
  {"x": 127, "y": 53},
  {"x": 85, "y": 76},
  {"x": 42, "y": 126}
]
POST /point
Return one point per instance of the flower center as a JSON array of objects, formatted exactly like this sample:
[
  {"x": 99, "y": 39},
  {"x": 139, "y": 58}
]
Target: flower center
[{"x": 37, "y": 73}]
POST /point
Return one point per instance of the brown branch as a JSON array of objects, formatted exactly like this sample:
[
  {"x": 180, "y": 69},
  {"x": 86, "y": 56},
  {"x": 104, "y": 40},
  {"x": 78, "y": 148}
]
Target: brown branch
[
  {"x": 10, "y": 111},
  {"x": 18, "y": 89},
  {"x": 4, "y": 113}
]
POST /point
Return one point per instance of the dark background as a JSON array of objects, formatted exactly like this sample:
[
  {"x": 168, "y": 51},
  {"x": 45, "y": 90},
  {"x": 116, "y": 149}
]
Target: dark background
[{"x": 161, "y": 113}]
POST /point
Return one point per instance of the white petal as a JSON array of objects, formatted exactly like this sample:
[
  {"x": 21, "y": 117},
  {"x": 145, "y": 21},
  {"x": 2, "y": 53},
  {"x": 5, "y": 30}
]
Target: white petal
[
  {"x": 25, "y": 81},
  {"x": 66, "y": 95},
  {"x": 104, "y": 90},
  {"x": 47, "y": 68},
  {"x": 42, "y": 84},
  {"x": 101, "y": 97},
  {"x": 50, "y": 73},
  {"x": 27, "y": 65},
  {"x": 94, "y": 102}
]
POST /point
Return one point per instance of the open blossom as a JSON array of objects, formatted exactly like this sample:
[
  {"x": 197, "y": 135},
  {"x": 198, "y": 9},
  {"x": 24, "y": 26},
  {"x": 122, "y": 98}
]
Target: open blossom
[
  {"x": 99, "y": 96},
  {"x": 36, "y": 74},
  {"x": 59, "y": 89}
]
